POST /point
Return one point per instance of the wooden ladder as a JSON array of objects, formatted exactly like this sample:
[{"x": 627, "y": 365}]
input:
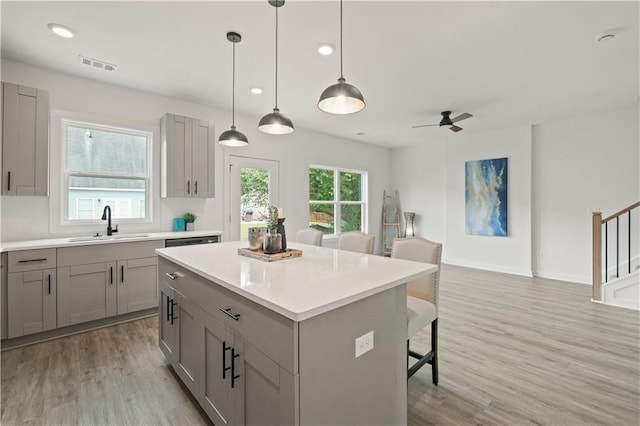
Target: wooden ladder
[{"x": 390, "y": 228}]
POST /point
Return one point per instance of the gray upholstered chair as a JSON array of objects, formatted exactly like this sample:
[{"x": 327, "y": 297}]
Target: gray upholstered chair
[
  {"x": 422, "y": 298},
  {"x": 309, "y": 236},
  {"x": 356, "y": 241}
]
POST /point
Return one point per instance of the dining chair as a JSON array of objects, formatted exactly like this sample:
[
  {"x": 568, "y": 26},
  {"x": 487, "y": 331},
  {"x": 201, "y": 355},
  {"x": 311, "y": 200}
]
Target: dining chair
[
  {"x": 309, "y": 236},
  {"x": 356, "y": 241},
  {"x": 422, "y": 298}
]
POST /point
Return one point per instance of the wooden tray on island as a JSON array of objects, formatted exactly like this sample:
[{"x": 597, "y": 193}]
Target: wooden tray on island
[{"x": 260, "y": 255}]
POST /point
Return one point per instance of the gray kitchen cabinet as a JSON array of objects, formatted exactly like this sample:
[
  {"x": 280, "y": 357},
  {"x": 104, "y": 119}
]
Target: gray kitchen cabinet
[
  {"x": 100, "y": 281},
  {"x": 31, "y": 286},
  {"x": 187, "y": 157},
  {"x": 241, "y": 377},
  {"x": 25, "y": 140},
  {"x": 137, "y": 284},
  {"x": 180, "y": 325},
  {"x": 86, "y": 292}
]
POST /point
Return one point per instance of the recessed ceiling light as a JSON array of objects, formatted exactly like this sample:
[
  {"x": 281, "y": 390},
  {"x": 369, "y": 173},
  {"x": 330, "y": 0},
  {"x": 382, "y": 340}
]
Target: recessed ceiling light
[
  {"x": 606, "y": 37},
  {"x": 256, "y": 90},
  {"x": 61, "y": 30},
  {"x": 326, "y": 49}
]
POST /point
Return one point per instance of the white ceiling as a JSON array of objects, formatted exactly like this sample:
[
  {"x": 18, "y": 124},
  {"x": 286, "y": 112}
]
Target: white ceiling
[{"x": 507, "y": 63}]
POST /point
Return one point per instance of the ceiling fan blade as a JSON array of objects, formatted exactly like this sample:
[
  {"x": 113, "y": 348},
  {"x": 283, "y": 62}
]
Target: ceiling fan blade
[
  {"x": 455, "y": 128},
  {"x": 424, "y": 125},
  {"x": 461, "y": 117}
]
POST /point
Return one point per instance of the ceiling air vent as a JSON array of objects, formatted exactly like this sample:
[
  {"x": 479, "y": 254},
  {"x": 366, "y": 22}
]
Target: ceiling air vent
[{"x": 96, "y": 63}]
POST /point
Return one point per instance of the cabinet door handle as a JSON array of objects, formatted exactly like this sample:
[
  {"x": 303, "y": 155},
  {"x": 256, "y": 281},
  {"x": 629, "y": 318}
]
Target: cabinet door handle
[
  {"x": 170, "y": 275},
  {"x": 188, "y": 187},
  {"x": 228, "y": 312},
  {"x": 225, "y": 348},
  {"x": 168, "y": 309},
  {"x": 122, "y": 274},
  {"x": 173, "y": 305},
  {"x": 8, "y": 181},
  {"x": 111, "y": 275},
  {"x": 195, "y": 184},
  {"x": 234, "y": 355},
  {"x": 49, "y": 279},
  {"x": 42, "y": 259}
]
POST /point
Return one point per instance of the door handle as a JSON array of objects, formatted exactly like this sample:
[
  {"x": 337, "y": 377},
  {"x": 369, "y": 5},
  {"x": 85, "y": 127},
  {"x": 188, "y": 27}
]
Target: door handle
[
  {"x": 234, "y": 355},
  {"x": 8, "y": 181},
  {"x": 49, "y": 279},
  {"x": 110, "y": 274},
  {"x": 228, "y": 312},
  {"x": 122, "y": 274},
  {"x": 195, "y": 184},
  {"x": 188, "y": 187},
  {"x": 173, "y": 305},
  {"x": 168, "y": 309},
  {"x": 225, "y": 348}
]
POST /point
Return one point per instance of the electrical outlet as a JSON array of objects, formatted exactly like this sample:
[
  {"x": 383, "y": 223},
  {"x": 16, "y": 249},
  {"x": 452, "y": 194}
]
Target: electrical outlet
[{"x": 364, "y": 344}]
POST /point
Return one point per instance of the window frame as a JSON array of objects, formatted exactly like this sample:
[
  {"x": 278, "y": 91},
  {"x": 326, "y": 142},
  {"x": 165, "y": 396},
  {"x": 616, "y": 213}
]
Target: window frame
[
  {"x": 338, "y": 203},
  {"x": 66, "y": 174}
]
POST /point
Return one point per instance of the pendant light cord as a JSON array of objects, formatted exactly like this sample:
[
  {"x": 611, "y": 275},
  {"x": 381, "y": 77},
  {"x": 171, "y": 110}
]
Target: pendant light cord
[
  {"x": 233, "y": 89},
  {"x": 341, "y": 73},
  {"x": 276, "y": 57}
]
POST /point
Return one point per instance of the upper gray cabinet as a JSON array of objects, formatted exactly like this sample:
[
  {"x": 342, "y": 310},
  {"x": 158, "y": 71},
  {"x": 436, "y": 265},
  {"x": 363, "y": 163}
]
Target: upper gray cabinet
[
  {"x": 188, "y": 148},
  {"x": 25, "y": 140}
]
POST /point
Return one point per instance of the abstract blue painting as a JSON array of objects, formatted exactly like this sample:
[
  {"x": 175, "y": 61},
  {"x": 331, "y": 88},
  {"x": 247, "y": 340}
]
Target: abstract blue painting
[{"x": 486, "y": 197}]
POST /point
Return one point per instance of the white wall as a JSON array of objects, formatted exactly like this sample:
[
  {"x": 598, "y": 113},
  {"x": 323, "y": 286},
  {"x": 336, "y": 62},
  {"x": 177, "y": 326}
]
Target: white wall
[
  {"x": 418, "y": 173},
  {"x": 558, "y": 173},
  {"x": 511, "y": 254},
  {"x": 580, "y": 165},
  {"x": 28, "y": 217}
]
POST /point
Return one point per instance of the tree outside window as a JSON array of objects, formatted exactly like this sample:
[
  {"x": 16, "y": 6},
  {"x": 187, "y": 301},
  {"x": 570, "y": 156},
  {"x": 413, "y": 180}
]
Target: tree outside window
[{"x": 336, "y": 200}]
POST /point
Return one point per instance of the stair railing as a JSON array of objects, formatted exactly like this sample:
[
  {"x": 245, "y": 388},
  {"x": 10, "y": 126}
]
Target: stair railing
[{"x": 597, "y": 222}]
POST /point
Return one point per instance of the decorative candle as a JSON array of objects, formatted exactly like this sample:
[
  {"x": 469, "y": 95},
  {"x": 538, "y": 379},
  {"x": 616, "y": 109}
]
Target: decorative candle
[{"x": 280, "y": 212}]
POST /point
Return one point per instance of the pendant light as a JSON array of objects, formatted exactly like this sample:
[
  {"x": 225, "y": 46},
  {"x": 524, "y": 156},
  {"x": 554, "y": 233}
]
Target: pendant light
[
  {"x": 341, "y": 98},
  {"x": 275, "y": 123},
  {"x": 233, "y": 137}
]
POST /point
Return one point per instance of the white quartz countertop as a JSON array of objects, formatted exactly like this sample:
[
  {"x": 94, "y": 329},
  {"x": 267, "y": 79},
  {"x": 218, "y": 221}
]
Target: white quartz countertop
[
  {"x": 299, "y": 288},
  {"x": 103, "y": 239}
]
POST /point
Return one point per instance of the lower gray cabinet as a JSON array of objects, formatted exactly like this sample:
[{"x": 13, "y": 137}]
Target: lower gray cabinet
[
  {"x": 86, "y": 292},
  {"x": 168, "y": 333},
  {"x": 31, "y": 291},
  {"x": 33, "y": 302},
  {"x": 137, "y": 284}
]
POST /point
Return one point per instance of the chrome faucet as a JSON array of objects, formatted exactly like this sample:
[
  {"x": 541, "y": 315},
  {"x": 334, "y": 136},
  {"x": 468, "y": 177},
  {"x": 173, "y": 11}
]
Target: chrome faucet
[{"x": 106, "y": 215}]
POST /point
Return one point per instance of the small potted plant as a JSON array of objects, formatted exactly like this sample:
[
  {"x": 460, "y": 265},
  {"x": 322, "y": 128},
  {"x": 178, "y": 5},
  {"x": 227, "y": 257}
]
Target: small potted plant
[
  {"x": 272, "y": 242},
  {"x": 189, "y": 218}
]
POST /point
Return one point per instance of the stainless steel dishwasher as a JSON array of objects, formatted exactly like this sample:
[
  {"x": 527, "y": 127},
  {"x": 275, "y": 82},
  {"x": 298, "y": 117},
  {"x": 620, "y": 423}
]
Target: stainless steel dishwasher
[{"x": 175, "y": 242}]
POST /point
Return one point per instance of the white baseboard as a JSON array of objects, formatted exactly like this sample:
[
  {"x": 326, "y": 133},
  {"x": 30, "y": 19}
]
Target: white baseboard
[
  {"x": 578, "y": 279},
  {"x": 485, "y": 267}
]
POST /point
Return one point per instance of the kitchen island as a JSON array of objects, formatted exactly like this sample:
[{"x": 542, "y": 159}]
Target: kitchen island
[{"x": 319, "y": 339}]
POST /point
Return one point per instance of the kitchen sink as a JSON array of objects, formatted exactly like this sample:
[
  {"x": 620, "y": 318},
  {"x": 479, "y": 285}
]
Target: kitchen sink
[{"x": 107, "y": 237}]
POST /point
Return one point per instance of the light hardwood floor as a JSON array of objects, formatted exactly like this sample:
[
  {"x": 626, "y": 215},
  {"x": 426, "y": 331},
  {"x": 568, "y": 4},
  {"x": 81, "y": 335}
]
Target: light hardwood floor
[{"x": 513, "y": 351}]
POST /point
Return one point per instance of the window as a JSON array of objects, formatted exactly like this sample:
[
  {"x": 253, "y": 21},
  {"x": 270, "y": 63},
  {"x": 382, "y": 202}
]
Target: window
[
  {"x": 106, "y": 166},
  {"x": 337, "y": 200}
]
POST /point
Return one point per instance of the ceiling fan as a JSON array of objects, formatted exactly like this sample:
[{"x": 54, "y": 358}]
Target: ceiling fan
[{"x": 448, "y": 121}]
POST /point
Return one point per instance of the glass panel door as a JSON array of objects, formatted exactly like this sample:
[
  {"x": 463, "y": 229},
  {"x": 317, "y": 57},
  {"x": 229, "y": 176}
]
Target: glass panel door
[{"x": 253, "y": 187}]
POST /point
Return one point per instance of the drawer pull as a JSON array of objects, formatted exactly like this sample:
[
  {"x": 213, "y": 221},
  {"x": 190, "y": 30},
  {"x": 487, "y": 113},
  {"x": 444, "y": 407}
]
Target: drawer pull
[
  {"x": 225, "y": 348},
  {"x": 32, "y": 260},
  {"x": 234, "y": 355},
  {"x": 170, "y": 275},
  {"x": 228, "y": 312}
]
